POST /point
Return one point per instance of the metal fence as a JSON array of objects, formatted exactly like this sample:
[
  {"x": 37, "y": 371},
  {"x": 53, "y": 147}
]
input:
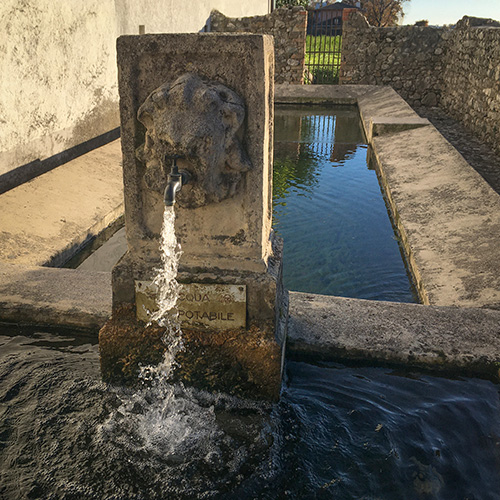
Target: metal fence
[{"x": 323, "y": 45}]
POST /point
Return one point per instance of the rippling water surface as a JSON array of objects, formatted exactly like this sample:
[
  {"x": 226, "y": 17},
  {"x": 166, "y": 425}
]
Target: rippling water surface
[
  {"x": 330, "y": 210},
  {"x": 338, "y": 432}
]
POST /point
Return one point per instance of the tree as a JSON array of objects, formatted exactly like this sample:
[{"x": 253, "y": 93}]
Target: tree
[
  {"x": 290, "y": 3},
  {"x": 381, "y": 12}
]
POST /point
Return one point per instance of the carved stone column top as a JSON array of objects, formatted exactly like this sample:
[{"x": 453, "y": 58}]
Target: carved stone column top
[{"x": 208, "y": 100}]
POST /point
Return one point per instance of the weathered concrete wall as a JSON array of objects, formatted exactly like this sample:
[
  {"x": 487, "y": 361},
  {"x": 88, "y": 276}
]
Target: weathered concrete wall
[
  {"x": 287, "y": 25},
  {"x": 456, "y": 69},
  {"x": 58, "y": 60},
  {"x": 59, "y": 81}
]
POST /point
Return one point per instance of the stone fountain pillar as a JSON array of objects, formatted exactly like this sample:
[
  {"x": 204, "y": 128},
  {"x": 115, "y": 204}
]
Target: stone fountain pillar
[{"x": 207, "y": 99}]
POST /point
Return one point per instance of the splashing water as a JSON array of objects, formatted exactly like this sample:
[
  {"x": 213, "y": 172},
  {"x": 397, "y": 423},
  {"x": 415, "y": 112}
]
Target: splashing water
[
  {"x": 183, "y": 427},
  {"x": 165, "y": 417}
]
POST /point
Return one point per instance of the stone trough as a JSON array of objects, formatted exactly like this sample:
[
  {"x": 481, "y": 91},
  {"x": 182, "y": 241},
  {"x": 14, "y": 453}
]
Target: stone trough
[{"x": 449, "y": 222}]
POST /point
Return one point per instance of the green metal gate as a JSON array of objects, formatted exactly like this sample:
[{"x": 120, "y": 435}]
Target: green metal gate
[{"x": 323, "y": 45}]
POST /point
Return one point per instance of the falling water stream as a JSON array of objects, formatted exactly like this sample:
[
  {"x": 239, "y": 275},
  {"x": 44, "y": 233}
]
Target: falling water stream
[
  {"x": 167, "y": 287},
  {"x": 188, "y": 429},
  {"x": 165, "y": 278}
]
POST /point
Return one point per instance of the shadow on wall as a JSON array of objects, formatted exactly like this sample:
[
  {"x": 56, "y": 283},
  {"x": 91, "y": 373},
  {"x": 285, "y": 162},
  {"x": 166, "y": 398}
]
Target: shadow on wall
[{"x": 25, "y": 173}]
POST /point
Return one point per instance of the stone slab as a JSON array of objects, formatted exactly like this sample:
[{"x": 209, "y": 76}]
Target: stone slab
[
  {"x": 447, "y": 215},
  {"x": 387, "y": 125},
  {"x": 54, "y": 297},
  {"x": 465, "y": 340},
  {"x": 47, "y": 220},
  {"x": 379, "y": 104},
  {"x": 314, "y": 94},
  {"x": 384, "y": 104}
]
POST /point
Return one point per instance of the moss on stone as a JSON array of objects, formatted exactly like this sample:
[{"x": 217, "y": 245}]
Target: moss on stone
[
  {"x": 125, "y": 344},
  {"x": 242, "y": 362}
]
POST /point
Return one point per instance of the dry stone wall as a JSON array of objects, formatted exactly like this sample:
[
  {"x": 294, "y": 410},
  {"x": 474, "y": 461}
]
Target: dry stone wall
[
  {"x": 456, "y": 69},
  {"x": 471, "y": 81},
  {"x": 287, "y": 25},
  {"x": 408, "y": 58}
]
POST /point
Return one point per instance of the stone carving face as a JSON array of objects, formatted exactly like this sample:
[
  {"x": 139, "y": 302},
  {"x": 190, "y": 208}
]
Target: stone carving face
[{"x": 198, "y": 120}]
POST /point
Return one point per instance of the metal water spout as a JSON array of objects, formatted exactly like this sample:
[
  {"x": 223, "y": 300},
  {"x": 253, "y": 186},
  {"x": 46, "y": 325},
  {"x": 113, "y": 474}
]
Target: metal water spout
[{"x": 175, "y": 180}]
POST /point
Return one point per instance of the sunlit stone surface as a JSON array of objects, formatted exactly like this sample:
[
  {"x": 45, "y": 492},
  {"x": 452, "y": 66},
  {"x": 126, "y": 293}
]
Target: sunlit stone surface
[{"x": 222, "y": 215}]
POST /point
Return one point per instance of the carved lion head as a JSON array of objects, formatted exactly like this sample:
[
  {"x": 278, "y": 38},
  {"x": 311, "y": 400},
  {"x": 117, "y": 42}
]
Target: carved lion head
[{"x": 200, "y": 121}]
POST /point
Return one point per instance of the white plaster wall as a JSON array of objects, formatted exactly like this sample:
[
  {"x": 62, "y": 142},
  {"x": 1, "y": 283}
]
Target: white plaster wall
[
  {"x": 58, "y": 82},
  {"x": 58, "y": 76},
  {"x": 179, "y": 16}
]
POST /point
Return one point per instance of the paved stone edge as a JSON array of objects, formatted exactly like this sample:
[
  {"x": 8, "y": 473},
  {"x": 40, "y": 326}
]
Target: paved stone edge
[
  {"x": 45, "y": 296},
  {"x": 447, "y": 216},
  {"x": 452, "y": 339},
  {"x": 82, "y": 240}
]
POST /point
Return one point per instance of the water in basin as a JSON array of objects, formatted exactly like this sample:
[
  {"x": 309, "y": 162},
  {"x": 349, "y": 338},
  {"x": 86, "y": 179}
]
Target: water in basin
[
  {"x": 337, "y": 432},
  {"x": 329, "y": 208}
]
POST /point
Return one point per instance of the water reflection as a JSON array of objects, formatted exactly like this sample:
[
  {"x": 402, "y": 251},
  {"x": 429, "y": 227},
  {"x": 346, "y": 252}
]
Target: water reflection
[
  {"x": 330, "y": 211},
  {"x": 303, "y": 141}
]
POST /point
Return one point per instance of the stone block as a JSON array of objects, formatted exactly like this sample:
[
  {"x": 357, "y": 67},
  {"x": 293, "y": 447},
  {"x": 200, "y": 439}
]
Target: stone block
[
  {"x": 243, "y": 63},
  {"x": 207, "y": 101},
  {"x": 241, "y": 362}
]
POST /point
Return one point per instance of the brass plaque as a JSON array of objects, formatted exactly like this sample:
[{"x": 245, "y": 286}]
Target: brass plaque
[{"x": 219, "y": 307}]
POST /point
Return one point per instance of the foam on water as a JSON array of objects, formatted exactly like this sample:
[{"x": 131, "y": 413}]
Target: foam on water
[{"x": 164, "y": 420}]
